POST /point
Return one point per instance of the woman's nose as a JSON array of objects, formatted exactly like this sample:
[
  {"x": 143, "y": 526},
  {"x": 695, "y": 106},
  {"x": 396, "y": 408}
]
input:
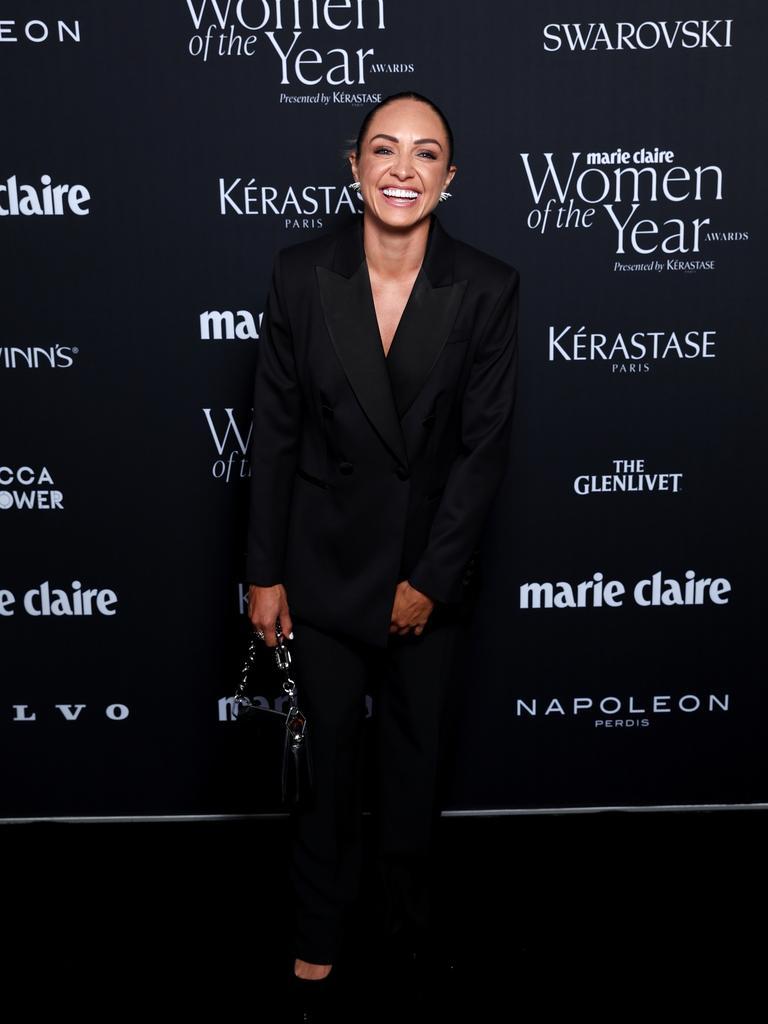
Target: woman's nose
[{"x": 402, "y": 166}]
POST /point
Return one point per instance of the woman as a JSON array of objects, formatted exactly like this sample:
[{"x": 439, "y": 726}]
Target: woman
[{"x": 383, "y": 404}]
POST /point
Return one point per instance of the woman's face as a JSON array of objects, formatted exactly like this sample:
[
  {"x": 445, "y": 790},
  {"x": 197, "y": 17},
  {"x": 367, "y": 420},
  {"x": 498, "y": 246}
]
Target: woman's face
[{"x": 405, "y": 148}]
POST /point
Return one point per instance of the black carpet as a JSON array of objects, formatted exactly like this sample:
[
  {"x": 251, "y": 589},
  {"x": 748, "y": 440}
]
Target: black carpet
[{"x": 595, "y": 912}]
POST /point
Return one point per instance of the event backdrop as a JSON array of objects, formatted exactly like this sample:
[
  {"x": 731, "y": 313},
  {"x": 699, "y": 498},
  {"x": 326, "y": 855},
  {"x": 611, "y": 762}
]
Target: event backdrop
[{"x": 155, "y": 154}]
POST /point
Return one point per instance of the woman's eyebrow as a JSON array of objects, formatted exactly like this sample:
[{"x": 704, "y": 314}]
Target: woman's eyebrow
[{"x": 394, "y": 138}]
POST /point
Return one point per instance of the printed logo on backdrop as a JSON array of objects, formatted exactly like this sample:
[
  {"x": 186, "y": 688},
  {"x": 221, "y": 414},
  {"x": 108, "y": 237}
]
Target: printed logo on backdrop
[
  {"x": 310, "y": 45},
  {"x": 716, "y": 33},
  {"x": 226, "y": 325},
  {"x": 280, "y": 704},
  {"x": 301, "y": 207},
  {"x": 70, "y": 601},
  {"x": 69, "y": 712},
  {"x": 27, "y": 487},
  {"x": 626, "y": 713},
  {"x": 628, "y": 351},
  {"x": 20, "y": 199},
  {"x": 230, "y": 441},
  {"x": 36, "y": 357},
  {"x": 655, "y": 591},
  {"x": 629, "y": 476},
  {"x": 36, "y": 31},
  {"x": 655, "y": 209}
]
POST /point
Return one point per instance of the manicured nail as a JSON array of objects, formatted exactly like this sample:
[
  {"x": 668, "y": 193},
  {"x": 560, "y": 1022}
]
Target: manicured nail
[{"x": 290, "y": 635}]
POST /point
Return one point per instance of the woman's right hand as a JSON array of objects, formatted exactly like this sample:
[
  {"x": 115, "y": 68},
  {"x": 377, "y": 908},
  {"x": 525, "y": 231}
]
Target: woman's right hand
[{"x": 265, "y": 606}]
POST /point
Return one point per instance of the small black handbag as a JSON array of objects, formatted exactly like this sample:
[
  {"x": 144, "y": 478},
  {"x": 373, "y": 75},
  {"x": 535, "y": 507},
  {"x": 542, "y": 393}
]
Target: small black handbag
[{"x": 297, "y": 772}]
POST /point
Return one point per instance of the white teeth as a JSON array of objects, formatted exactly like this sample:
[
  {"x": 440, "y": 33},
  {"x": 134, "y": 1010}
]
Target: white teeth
[{"x": 400, "y": 193}]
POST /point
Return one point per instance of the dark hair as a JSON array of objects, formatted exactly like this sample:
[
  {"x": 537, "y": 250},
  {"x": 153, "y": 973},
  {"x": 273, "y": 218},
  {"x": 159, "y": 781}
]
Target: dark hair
[{"x": 357, "y": 143}]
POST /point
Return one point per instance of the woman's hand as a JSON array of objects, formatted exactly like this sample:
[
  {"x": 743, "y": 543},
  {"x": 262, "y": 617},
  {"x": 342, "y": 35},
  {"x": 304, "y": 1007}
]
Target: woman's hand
[
  {"x": 265, "y": 606},
  {"x": 410, "y": 610}
]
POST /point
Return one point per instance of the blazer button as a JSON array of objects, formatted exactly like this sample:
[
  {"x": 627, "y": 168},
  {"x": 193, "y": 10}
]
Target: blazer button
[
  {"x": 401, "y": 472},
  {"x": 346, "y": 467}
]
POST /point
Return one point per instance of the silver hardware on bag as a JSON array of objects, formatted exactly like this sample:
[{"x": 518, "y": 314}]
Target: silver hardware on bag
[{"x": 295, "y": 719}]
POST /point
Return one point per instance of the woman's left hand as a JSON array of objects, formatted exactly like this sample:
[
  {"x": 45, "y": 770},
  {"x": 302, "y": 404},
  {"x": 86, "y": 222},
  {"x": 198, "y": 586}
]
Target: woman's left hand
[{"x": 410, "y": 610}]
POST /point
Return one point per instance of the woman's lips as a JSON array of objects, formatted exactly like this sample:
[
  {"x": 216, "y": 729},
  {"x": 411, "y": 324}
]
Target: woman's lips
[{"x": 398, "y": 200}]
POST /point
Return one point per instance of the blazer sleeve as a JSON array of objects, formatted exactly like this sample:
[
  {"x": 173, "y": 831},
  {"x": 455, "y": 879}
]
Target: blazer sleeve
[
  {"x": 277, "y": 411},
  {"x": 476, "y": 473}
]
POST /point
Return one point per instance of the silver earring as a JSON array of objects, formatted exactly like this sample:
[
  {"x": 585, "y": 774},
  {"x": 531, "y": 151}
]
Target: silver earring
[
  {"x": 355, "y": 185},
  {"x": 444, "y": 196}
]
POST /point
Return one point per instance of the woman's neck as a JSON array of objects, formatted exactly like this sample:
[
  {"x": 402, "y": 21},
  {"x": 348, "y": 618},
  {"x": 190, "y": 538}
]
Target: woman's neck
[{"x": 395, "y": 254}]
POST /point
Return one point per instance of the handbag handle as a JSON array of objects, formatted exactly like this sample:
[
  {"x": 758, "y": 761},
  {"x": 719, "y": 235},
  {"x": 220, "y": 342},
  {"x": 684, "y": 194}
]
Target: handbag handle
[{"x": 295, "y": 719}]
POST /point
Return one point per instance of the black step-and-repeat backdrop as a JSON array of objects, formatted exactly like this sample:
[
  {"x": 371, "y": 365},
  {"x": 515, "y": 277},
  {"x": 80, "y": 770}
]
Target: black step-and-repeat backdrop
[{"x": 155, "y": 155}]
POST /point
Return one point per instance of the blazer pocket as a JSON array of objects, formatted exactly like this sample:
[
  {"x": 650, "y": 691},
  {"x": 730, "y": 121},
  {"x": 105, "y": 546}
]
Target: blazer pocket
[{"x": 310, "y": 478}]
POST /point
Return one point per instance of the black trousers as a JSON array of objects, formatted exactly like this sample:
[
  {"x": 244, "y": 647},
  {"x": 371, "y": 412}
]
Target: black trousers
[{"x": 412, "y": 729}]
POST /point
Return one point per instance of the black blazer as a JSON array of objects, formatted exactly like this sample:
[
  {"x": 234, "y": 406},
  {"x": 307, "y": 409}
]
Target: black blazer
[{"x": 369, "y": 469}]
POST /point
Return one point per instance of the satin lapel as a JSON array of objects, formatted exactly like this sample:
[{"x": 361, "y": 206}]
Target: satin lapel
[{"x": 386, "y": 386}]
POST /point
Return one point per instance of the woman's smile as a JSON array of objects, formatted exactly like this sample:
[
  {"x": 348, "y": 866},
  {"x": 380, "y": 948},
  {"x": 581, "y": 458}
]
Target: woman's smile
[
  {"x": 399, "y": 196},
  {"x": 402, "y": 164}
]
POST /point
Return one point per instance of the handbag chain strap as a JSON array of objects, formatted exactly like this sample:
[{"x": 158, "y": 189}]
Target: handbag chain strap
[{"x": 295, "y": 720}]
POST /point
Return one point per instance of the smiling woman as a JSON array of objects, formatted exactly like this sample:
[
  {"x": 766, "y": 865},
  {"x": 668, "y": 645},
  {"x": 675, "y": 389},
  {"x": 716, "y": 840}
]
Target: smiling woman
[
  {"x": 401, "y": 163},
  {"x": 378, "y": 445}
]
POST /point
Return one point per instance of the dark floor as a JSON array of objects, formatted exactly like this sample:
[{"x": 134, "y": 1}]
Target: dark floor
[{"x": 586, "y": 908}]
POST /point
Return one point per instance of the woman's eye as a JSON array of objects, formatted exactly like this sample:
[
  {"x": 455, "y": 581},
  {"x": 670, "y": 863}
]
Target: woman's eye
[{"x": 424, "y": 152}]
